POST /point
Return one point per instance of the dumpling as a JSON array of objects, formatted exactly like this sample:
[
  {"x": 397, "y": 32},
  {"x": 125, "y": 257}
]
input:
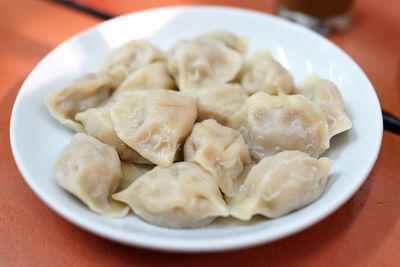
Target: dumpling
[
  {"x": 130, "y": 172},
  {"x": 219, "y": 101},
  {"x": 238, "y": 182},
  {"x": 91, "y": 171},
  {"x": 220, "y": 150},
  {"x": 232, "y": 41},
  {"x": 86, "y": 92},
  {"x": 327, "y": 97},
  {"x": 271, "y": 124},
  {"x": 154, "y": 122},
  {"x": 180, "y": 196},
  {"x": 151, "y": 76},
  {"x": 280, "y": 184},
  {"x": 261, "y": 72},
  {"x": 97, "y": 123},
  {"x": 134, "y": 54},
  {"x": 198, "y": 62}
]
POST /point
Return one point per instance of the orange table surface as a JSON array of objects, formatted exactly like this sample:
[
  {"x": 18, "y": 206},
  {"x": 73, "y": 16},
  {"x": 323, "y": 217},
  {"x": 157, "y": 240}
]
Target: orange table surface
[{"x": 363, "y": 232}]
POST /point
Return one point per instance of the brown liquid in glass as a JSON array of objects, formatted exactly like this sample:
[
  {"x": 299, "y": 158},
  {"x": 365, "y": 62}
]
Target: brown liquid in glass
[{"x": 319, "y": 8}]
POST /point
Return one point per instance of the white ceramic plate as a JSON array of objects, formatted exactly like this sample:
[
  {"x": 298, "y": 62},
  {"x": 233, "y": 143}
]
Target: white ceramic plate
[{"x": 37, "y": 139}]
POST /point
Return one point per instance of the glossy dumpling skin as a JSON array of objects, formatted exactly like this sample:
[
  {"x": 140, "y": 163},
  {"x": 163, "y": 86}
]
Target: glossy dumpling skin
[
  {"x": 280, "y": 184},
  {"x": 134, "y": 54},
  {"x": 219, "y": 101},
  {"x": 230, "y": 40},
  {"x": 327, "y": 97},
  {"x": 91, "y": 171},
  {"x": 155, "y": 123},
  {"x": 130, "y": 172},
  {"x": 261, "y": 72},
  {"x": 271, "y": 124},
  {"x": 180, "y": 196},
  {"x": 151, "y": 76},
  {"x": 198, "y": 62},
  {"x": 97, "y": 123},
  {"x": 88, "y": 91},
  {"x": 220, "y": 150}
]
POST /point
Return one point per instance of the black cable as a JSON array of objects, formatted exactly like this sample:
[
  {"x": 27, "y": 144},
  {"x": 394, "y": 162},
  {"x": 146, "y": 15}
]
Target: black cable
[
  {"x": 86, "y": 9},
  {"x": 390, "y": 122}
]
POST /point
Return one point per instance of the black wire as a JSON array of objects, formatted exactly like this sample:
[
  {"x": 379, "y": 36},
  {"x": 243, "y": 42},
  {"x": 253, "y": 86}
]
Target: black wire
[
  {"x": 390, "y": 122},
  {"x": 86, "y": 9}
]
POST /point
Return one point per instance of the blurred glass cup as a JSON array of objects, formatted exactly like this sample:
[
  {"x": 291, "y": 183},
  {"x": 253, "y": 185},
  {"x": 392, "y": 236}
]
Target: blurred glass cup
[{"x": 323, "y": 16}]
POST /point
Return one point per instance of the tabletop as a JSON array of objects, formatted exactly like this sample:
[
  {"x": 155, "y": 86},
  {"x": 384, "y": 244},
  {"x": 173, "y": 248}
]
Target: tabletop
[{"x": 363, "y": 232}]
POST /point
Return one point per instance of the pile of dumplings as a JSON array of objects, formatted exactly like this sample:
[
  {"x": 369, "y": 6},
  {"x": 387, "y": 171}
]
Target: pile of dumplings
[{"x": 199, "y": 132}]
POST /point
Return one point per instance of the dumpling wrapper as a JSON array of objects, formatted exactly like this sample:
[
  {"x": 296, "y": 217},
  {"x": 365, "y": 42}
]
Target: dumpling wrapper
[
  {"x": 154, "y": 122},
  {"x": 219, "y": 101},
  {"x": 97, "y": 123},
  {"x": 91, "y": 170},
  {"x": 262, "y": 73},
  {"x": 151, "y": 76},
  {"x": 239, "y": 44},
  {"x": 280, "y": 184},
  {"x": 198, "y": 62},
  {"x": 327, "y": 97},
  {"x": 88, "y": 91},
  {"x": 219, "y": 150},
  {"x": 134, "y": 54},
  {"x": 271, "y": 124},
  {"x": 180, "y": 196},
  {"x": 130, "y": 172}
]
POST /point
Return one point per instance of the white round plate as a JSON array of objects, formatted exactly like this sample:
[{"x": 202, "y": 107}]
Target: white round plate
[{"x": 37, "y": 139}]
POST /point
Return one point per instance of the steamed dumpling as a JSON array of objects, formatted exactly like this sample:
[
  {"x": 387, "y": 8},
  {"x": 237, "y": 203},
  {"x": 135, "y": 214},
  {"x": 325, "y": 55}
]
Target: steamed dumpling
[
  {"x": 155, "y": 123},
  {"x": 230, "y": 40},
  {"x": 261, "y": 72},
  {"x": 134, "y": 54},
  {"x": 271, "y": 124},
  {"x": 198, "y": 62},
  {"x": 220, "y": 150},
  {"x": 86, "y": 92},
  {"x": 180, "y": 196},
  {"x": 151, "y": 76},
  {"x": 219, "y": 101},
  {"x": 97, "y": 123},
  {"x": 327, "y": 97},
  {"x": 91, "y": 171},
  {"x": 280, "y": 184}
]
